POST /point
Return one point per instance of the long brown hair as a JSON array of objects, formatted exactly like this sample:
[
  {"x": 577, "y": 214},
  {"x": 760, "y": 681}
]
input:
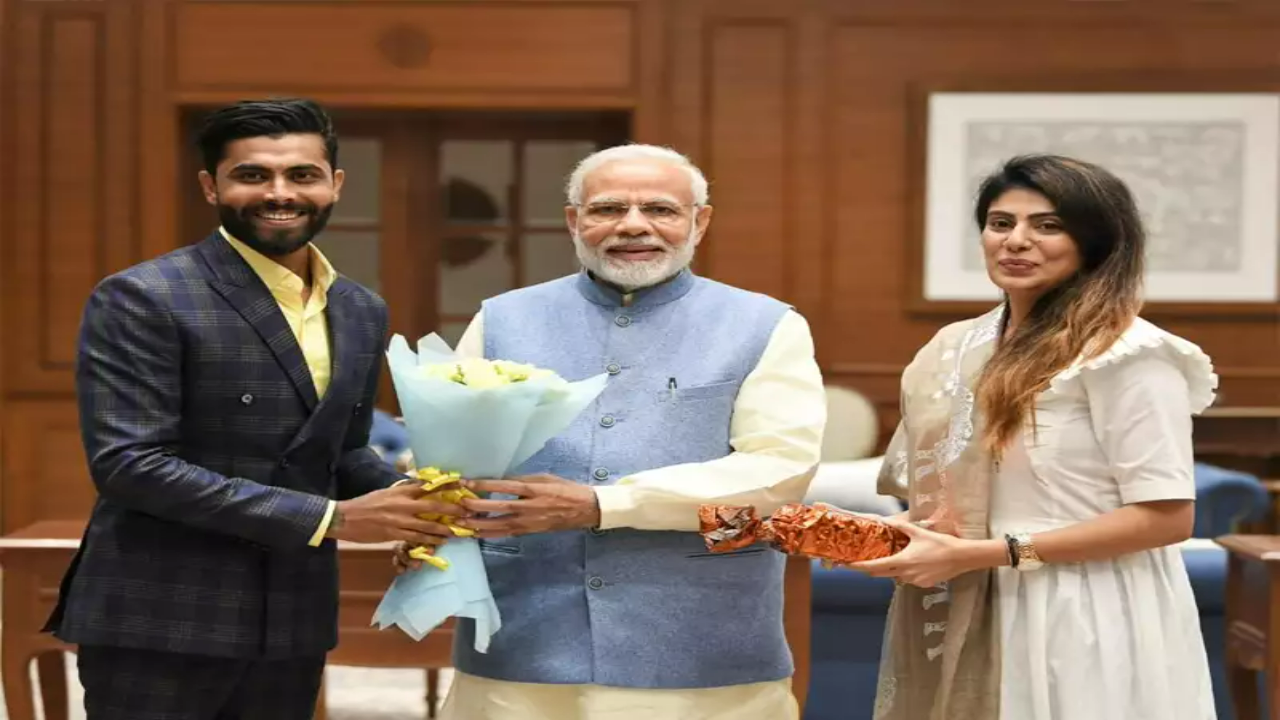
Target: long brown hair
[{"x": 1084, "y": 315}]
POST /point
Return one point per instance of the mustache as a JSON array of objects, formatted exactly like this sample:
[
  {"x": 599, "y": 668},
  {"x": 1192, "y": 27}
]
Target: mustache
[
  {"x": 300, "y": 206},
  {"x": 616, "y": 241}
]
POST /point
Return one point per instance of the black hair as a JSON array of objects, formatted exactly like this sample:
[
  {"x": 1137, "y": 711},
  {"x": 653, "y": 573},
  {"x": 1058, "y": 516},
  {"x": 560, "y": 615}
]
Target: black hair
[{"x": 258, "y": 118}]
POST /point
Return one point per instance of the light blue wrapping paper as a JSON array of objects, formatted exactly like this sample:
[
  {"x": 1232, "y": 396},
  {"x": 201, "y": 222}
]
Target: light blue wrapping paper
[{"x": 480, "y": 433}]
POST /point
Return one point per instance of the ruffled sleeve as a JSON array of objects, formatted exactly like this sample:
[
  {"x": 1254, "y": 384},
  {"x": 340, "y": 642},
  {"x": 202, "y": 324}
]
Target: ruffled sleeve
[
  {"x": 1141, "y": 394},
  {"x": 1144, "y": 338}
]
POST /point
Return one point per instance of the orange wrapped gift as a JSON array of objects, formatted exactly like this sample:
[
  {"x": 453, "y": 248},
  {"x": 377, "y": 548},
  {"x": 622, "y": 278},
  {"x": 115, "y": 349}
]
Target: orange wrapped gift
[{"x": 815, "y": 532}]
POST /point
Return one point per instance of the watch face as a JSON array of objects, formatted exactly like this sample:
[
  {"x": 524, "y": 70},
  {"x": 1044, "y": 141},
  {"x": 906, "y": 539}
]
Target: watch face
[{"x": 1027, "y": 557}]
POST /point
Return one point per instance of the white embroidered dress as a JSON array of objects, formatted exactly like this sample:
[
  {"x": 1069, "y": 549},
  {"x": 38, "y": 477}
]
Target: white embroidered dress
[{"x": 1111, "y": 639}]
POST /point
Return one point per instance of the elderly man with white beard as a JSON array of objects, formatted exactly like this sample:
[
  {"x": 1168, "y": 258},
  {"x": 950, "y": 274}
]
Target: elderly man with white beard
[{"x": 612, "y": 608}]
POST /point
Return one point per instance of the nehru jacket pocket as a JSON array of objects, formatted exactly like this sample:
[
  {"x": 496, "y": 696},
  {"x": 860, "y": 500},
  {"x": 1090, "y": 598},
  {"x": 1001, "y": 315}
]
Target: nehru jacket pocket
[
  {"x": 695, "y": 421},
  {"x": 506, "y": 546},
  {"x": 675, "y": 393},
  {"x": 744, "y": 552}
]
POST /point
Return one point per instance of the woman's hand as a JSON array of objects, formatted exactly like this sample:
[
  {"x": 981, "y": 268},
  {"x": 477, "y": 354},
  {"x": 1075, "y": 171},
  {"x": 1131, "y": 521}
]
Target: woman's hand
[{"x": 932, "y": 557}]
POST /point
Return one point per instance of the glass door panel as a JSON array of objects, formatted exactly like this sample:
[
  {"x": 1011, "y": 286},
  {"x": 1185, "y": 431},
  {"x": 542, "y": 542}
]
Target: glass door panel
[
  {"x": 472, "y": 268},
  {"x": 547, "y": 164},
  {"x": 361, "y": 199},
  {"x": 546, "y": 256},
  {"x": 352, "y": 240},
  {"x": 354, "y": 253},
  {"x": 476, "y": 178}
]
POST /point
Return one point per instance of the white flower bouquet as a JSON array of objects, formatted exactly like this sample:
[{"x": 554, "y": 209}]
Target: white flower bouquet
[{"x": 467, "y": 418}]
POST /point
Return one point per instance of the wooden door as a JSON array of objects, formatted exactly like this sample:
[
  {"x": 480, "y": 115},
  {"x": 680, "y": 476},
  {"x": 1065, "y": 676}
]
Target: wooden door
[{"x": 500, "y": 219}]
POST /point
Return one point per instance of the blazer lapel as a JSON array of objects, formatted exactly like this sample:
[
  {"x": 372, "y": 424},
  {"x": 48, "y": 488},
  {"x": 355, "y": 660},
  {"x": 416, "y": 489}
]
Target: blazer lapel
[
  {"x": 244, "y": 291},
  {"x": 341, "y": 329}
]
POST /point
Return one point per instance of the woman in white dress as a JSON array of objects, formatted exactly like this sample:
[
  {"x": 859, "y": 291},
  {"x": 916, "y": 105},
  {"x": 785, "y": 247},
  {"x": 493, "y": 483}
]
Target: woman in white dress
[{"x": 1045, "y": 457}]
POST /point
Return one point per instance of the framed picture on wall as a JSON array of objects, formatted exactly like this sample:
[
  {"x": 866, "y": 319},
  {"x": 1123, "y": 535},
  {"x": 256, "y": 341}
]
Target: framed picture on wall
[{"x": 1204, "y": 168}]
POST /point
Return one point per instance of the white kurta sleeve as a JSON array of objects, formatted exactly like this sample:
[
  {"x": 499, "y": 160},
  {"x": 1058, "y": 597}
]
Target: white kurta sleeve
[
  {"x": 775, "y": 434},
  {"x": 1141, "y": 410}
]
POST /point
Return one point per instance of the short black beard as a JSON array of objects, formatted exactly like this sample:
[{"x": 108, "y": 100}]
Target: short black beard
[{"x": 239, "y": 223}]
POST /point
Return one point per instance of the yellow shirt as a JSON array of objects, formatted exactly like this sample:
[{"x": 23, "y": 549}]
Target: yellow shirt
[
  {"x": 310, "y": 328},
  {"x": 306, "y": 319}
]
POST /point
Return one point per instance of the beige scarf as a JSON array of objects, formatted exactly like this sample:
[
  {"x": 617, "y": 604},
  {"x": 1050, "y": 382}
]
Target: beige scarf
[{"x": 941, "y": 657}]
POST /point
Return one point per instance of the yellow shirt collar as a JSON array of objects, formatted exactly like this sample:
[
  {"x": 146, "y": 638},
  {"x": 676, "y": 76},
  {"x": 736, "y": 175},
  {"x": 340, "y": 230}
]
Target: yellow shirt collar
[{"x": 277, "y": 276}]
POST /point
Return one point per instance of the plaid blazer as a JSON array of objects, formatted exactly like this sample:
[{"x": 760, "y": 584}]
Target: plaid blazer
[{"x": 214, "y": 460}]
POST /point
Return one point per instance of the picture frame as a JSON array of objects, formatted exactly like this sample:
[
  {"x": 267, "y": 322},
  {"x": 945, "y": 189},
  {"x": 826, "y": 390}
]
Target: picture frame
[{"x": 1204, "y": 168}]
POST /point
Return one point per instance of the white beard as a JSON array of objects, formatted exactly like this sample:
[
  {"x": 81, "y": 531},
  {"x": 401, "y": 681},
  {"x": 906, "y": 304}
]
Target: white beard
[{"x": 633, "y": 275}]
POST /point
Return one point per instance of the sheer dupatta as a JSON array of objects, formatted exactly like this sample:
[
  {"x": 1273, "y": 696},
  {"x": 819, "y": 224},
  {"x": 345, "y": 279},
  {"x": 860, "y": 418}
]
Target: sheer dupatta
[{"x": 941, "y": 658}]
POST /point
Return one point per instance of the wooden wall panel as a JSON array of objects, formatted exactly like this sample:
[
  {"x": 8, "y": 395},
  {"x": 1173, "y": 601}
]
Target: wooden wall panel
[
  {"x": 71, "y": 202},
  {"x": 809, "y": 235},
  {"x": 69, "y": 210},
  {"x": 43, "y": 455},
  {"x": 747, "y": 152},
  {"x": 402, "y": 46},
  {"x": 745, "y": 106},
  {"x": 58, "y": 196}
]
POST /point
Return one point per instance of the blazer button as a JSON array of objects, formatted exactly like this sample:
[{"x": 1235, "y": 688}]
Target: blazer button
[
  {"x": 246, "y": 399},
  {"x": 595, "y": 583},
  {"x": 359, "y": 406},
  {"x": 613, "y": 368},
  {"x": 622, "y": 321},
  {"x": 284, "y": 462},
  {"x": 601, "y": 473},
  {"x": 607, "y": 421}
]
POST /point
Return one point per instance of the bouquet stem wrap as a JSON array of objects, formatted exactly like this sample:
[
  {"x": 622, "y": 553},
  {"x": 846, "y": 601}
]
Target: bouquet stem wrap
[
  {"x": 815, "y": 532},
  {"x": 468, "y": 418},
  {"x": 445, "y": 487}
]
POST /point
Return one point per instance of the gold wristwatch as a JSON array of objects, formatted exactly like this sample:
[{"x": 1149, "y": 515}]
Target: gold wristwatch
[{"x": 1022, "y": 553}]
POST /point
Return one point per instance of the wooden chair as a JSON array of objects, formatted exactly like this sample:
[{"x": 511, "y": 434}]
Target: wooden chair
[
  {"x": 1253, "y": 621},
  {"x": 34, "y": 559}
]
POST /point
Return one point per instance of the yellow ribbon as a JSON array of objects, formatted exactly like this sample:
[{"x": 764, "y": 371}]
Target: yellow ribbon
[{"x": 445, "y": 487}]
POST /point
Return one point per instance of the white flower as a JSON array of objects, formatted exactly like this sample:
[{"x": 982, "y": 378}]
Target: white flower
[{"x": 484, "y": 374}]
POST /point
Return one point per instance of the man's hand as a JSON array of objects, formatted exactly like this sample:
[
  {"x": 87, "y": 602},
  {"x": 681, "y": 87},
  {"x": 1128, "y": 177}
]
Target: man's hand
[
  {"x": 544, "y": 503},
  {"x": 392, "y": 514},
  {"x": 401, "y": 561}
]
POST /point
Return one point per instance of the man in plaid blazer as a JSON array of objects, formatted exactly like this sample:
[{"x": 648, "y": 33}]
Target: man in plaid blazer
[{"x": 226, "y": 391}]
